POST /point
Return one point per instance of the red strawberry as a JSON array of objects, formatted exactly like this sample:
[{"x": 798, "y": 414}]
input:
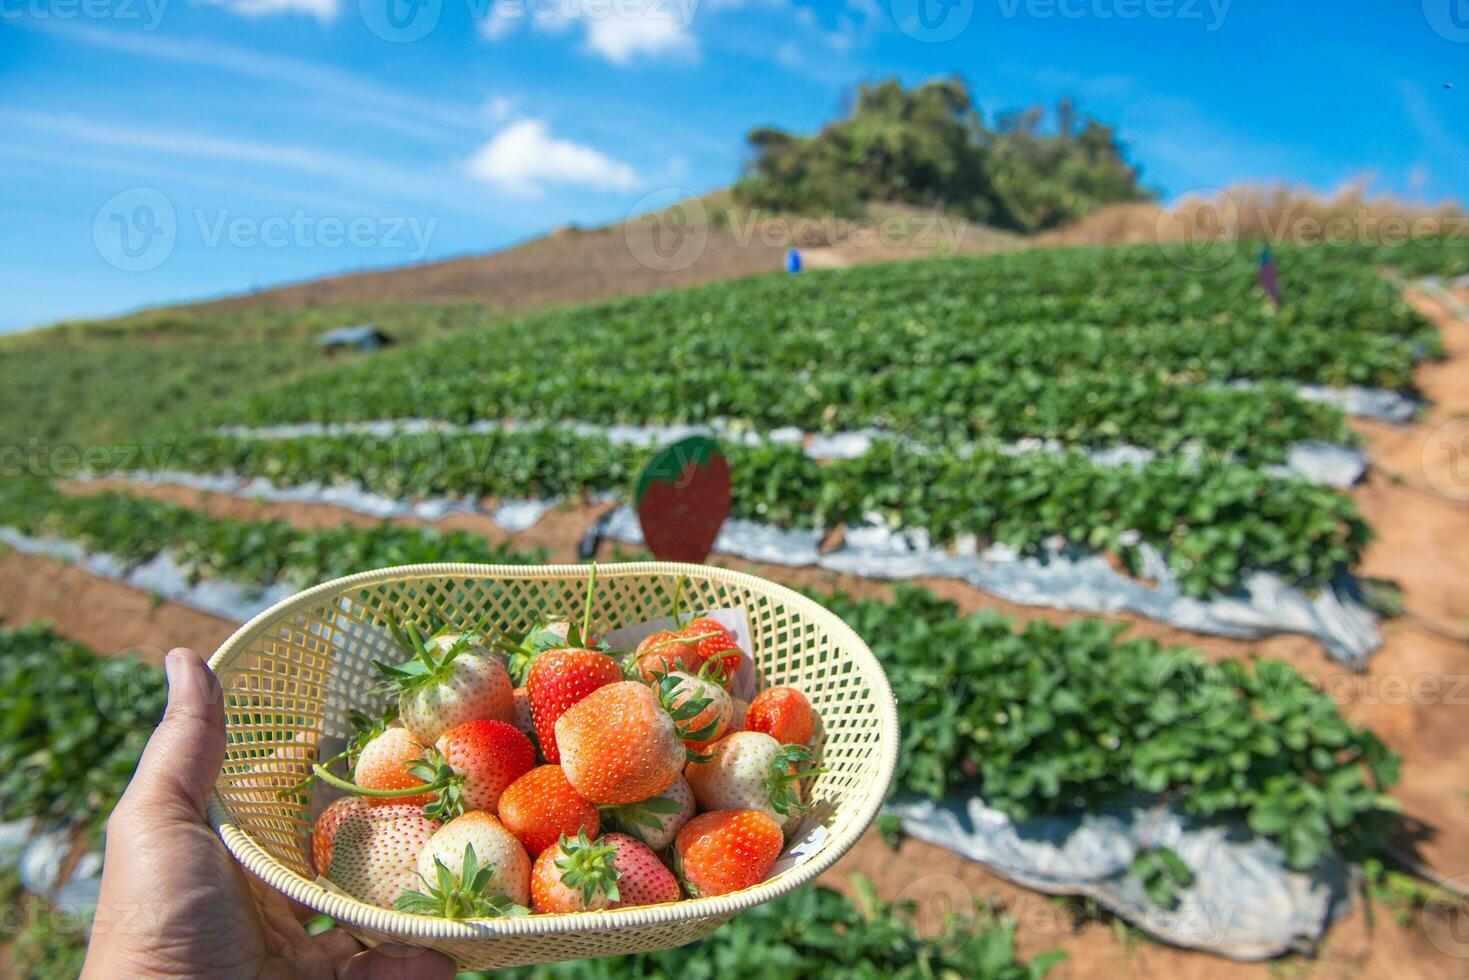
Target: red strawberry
[
  {"x": 493, "y": 846},
  {"x": 325, "y": 829},
  {"x": 541, "y": 806},
  {"x": 717, "y": 647},
  {"x": 658, "y": 819},
  {"x": 559, "y": 679},
  {"x": 375, "y": 852},
  {"x": 784, "y": 714},
  {"x": 383, "y": 765},
  {"x": 449, "y": 679},
  {"x": 615, "y": 871},
  {"x": 725, "y": 850},
  {"x": 682, "y": 498},
  {"x": 664, "y": 652},
  {"x": 624, "y": 742},
  {"x": 490, "y": 755},
  {"x": 644, "y": 880},
  {"x": 752, "y": 771}
]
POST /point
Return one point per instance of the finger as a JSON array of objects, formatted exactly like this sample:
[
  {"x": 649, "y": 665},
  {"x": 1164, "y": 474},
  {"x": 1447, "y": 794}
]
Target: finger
[
  {"x": 398, "y": 963},
  {"x": 184, "y": 754}
]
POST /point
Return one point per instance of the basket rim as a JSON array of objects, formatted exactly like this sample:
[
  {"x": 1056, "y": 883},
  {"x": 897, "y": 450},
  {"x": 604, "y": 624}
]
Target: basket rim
[{"x": 353, "y": 913}]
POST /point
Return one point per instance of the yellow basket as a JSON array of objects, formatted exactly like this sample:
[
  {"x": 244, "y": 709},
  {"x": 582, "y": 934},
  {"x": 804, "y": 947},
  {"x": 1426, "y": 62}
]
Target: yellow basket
[{"x": 291, "y": 674}]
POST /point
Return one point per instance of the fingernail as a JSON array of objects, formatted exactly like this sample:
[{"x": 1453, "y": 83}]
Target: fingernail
[{"x": 188, "y": 678}]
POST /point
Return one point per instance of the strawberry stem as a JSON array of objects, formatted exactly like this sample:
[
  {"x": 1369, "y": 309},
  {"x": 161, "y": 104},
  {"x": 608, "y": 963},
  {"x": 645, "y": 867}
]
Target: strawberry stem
[
  {"x": 678, "y": 640},
  {"x": 677, "y": 594},
  {"x": 311, "y": 777},
  {"x": 586, "y": 616},
  {"x": 381, "y": 794}
]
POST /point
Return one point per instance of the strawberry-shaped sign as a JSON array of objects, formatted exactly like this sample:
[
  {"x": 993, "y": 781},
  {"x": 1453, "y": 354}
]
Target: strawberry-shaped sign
[{"x": 682, "y": 499}]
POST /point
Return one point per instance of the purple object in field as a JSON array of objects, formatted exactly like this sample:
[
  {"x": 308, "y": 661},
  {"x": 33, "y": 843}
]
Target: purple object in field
[
  {"x": 1269, "y": 276},
  {"x": 793, "y": 261}
]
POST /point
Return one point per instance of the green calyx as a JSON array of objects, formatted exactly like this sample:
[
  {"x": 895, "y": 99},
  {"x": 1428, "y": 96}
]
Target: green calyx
[
  {"x": 791, "y": 764},
  {"x": 587, "y": 866},
  {"x": 425, "y": 665},
  {"x": 644, "y": 815},
  {"x": 666, "y": 686},
  {"x": 466, "y": 897}
]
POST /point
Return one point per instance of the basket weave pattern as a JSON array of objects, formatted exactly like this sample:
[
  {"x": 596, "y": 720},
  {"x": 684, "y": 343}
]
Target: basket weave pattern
[{"x": 291, "y": 675}]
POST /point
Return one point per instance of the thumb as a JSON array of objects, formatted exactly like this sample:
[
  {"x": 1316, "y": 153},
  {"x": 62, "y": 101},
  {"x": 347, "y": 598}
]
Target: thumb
[{"x": 181, "y": 763}]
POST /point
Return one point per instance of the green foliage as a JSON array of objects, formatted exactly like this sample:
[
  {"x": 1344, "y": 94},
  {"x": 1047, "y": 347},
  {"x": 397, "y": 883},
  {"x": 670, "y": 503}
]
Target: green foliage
[
  {"x": 1214, "y": 521},
  {"x": 1051, "y": 718},
  {"x": 136, "y": 529},
  {"x": 1091, "y": 347},
  {"x": 928, "y": 146},
  {"x": 1406, "y": 897},
  {"x": 89, "y": 383},
  {"x": 49, "y": 945},
  {"x": 72, "y": 726},
  {"x": 817, "y": 933},
  {"x": 1162, "y": 873}
]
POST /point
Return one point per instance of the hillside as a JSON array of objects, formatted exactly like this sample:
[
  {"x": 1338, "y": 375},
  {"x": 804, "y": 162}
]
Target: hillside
[{"x": 705, "y": 239}]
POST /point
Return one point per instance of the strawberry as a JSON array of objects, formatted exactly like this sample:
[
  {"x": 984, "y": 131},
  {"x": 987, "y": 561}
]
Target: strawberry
[
  {"x": 539, "y": 807},
  {"x": 752, "y": 771},
  {"x": 784, "y": 714},
  {"x": 725, "y": 850},
  {"x": 374, "y": 854},
  {"x": 715, "y": 715},
  {"x": 524, "y": 648},
  {"x": 559, "y": 679},
  {"x": 450, "y": 678},
  {"x": 325, "y": 828},
  {"x": 489, "y": 755},
  {"x": 465, "y": 892},
  {"x": 663, "y": 652},
  {"x": 624, "y": 742},
  {"x": 384, "y": 765},
  {"x": 716, "y": 646},
  {"x": 492, "y": 846},
  {"x": 658, "y": 819},
  {"x": 644, "y": 880},
  {"x": 615, "y": 871}
]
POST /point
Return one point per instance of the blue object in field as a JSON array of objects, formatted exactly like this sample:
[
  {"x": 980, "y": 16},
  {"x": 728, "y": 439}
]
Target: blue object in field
[{"x": 793, "y": 261}]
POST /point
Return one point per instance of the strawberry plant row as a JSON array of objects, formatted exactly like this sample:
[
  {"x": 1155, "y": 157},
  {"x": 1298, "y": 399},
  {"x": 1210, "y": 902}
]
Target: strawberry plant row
[
  {"x": 137, "y": 529},
  {"x": 1089, "y": 346},
  {"x": 1214, "y": 522},
  {"x": 1043, "y": 720},
  {"x": 1055, "y": 718},
  {"x": 72, "y": 727}
]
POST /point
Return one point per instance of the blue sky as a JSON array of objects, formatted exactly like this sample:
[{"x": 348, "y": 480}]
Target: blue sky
[{"x": 244, "y": 143}]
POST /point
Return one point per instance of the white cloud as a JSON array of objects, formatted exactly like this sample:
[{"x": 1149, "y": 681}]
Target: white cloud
[
  {"x": 323, "y": 10},
  {"x": 523, "y": 157},
  {"x": 618, "y": 32}
]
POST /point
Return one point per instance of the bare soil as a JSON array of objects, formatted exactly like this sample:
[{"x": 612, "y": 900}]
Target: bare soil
[{"x": 1415, "y": 693}]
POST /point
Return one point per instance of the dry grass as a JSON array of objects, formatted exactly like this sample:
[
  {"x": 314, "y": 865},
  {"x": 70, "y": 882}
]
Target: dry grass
[{"x": 1273, "y": 212}]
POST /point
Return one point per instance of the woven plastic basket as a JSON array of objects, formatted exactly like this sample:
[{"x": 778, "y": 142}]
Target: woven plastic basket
[{"x": 291, "y": 675}]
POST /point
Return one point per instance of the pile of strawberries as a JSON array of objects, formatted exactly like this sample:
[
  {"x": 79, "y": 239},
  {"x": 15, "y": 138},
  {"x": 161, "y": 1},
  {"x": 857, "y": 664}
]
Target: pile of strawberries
[{"x": 605, "y": 780}]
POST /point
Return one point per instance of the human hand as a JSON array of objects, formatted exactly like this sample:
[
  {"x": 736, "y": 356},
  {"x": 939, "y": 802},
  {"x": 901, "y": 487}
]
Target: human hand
[{"x": 175, "y": 904}]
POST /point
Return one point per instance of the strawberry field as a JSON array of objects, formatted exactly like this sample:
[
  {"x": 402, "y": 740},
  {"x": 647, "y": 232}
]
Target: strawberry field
[{"x": 989, "y": 393}]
